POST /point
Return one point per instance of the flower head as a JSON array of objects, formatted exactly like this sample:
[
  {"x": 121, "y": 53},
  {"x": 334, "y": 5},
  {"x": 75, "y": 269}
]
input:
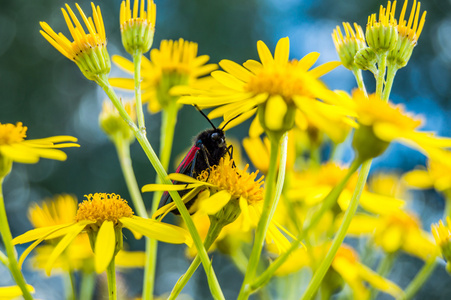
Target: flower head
[
  {"x": 347, "y": 265},
  {"x": 382, "y": 123},
  {"x": 382, "y": 34},
  {"x": 102, "y": 216},
  {"x": 175, "y": 63},
  {"x": 137, "y": 32},
  {"x": 14, "y": 147},
  {"x": 442, "y": 236},
  {"x": 347, "y": 46},
  {"x": 279, "y": 89},
  {"x": 88, "y": 50},
  {"x": 228, "y": 194},
  {"x": 408, "y": 34}
]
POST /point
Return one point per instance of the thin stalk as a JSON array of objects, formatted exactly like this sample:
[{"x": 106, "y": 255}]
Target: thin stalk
[
  {"x": 161, "y": 172},
  {"x": 269, "y": 202},
  {"x": 359, "y": 78},
  {"x": 419, "y": 279},
  {"x": 137, "y": 54},
  {"x": 111, "y": 277},
  {"x": 73, "y": 290},
  {"x": 380, "y": 79},
  {"x": 169, "y": 119},
  {"x": 330, "y": 199},
  {"x": 123, "y": 152},
  {"x": 213, "y": 232},
  {"x": 391, "y": 72},
  {"x": 88, "y": 282},
  {"x": 341, "y": 233},
  {"x": 10, "y": 251}
]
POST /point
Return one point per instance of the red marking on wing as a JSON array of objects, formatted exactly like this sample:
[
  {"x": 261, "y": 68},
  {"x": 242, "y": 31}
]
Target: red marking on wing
[{"x": 188, "y": 159}]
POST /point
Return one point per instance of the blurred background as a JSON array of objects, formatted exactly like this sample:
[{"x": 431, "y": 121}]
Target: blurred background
[{"x": 48, "y": 93}]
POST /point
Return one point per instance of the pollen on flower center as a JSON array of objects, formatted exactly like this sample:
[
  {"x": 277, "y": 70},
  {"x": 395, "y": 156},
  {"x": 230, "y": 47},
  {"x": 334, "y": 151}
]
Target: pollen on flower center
[
  {"x": 10, "y": 133},
  {"x": 286, "y": 82},
  {"x": 238, "y": 183},
  {"x": 100, "y": 207}
]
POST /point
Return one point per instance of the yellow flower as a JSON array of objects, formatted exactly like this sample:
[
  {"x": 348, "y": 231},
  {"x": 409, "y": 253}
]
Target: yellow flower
[
  {"x": 14, "y": 147},
  {"x": 137, "y": 32},
  {"x": 175, "y": 63},
  {"x": 311, "y": 186},
  {"x": 279, "y": 89},
  {"x": 442, "y": 236},
  {"x": 348, "y": 46},
  {"x": 382, "y": 122},
  {"x": 226, "y": 192},
  {"x": 12, "y": 292},
  {"x": 382, "y": 34},
  {"x": 346, "y": 263},
  {"x": 395, "y": 231},
  {"x": 408, "y": 34},
  {"x": 88, "y": 50},
  {"x": 59, "y": 210},
  {"x": 102, "y": 216}
]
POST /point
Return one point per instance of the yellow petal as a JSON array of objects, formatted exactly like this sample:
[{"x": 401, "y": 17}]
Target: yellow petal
[
  {"x": 105, "y": 246},
  {"x": 265, "y": 54},
  {"x": 238, "y": 120},
  {"x": 379, "y": 282},
  {"x": 123, "y": 63},
  {"x": 63, "y": 244},
  {"x": 380, "y": 204},
  {"x": 282, "y": 52},
  {"x": 213, "y": 204},
  {"x": 228, "y": 80},
  {"x": 160, "y": 231},
  {"x": 127, "y": 259},
  {"x": 236, "y": 70},
  {"x": 253, "y": 66},
  {"x": 324, "y": 69},
  {"x": 10, "y": 292},
  {"x": 419, "y": 179},
  {"x": 168, "y": 187},
  {"x": 122, "y": 83},
  {"x": 309, "y": 60},
  {"x": 275, "y": 112}
]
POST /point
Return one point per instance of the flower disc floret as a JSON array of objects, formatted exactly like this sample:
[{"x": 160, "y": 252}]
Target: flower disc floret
[
  {"x": 10, "y": 133},
  {"x": 239, "y": 183},
  {"x": 101, "y": 207}
]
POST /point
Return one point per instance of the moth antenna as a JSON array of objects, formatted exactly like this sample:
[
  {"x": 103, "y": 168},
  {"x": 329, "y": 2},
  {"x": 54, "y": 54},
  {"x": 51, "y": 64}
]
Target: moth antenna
[
  {"x": 230, "y": 121},
  {"x": 205, "y": 116}
]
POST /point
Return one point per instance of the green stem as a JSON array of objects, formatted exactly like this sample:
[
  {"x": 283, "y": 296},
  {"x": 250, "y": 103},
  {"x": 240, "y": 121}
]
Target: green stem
[
  {"x": 10, "y": 251},
  {"x": 213, "y": 232},
  {"x": 137, "y": 54},
  {"x": 73, "y": 290},
  {"x": 341, "y": 233},
  {"x": 419, "y": 279},
  {"x": 330, "y": 199},
  {"x": 391, "y": 72},
  {"x": 380, "y": 80},
  {"x": 88, "y": 282},
  {"x": 111, "y": 277},
  {"x": 268, "y": 204},
  {"x": 161, "y": 172},
  {"x": 169, "y": 119},
  {"x": 123, "y": 152}
]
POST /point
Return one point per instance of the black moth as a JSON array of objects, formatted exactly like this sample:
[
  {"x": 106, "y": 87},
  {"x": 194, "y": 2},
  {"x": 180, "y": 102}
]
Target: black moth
[{"x": 208, "y": 149}]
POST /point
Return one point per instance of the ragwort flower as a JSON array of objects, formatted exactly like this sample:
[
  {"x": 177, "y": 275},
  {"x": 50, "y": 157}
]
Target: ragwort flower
[
  {"x": 14, "y": 147},
  {"x": 380, "y": 123},
  {"x": 102, "y": 216},
  {"x": 442, "y": 236},
  {"x": 382, "y": 34},
  {"x": 347, "y": 265},
  {"x": 279, "y": 89},
  {"x": 175, "y": 63},
  {"x": 88, "y": 50},
  {"x": 348, "y": 45},
  {"x": 225, "y": 193},
  {"x": 137, "y": 32}
]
